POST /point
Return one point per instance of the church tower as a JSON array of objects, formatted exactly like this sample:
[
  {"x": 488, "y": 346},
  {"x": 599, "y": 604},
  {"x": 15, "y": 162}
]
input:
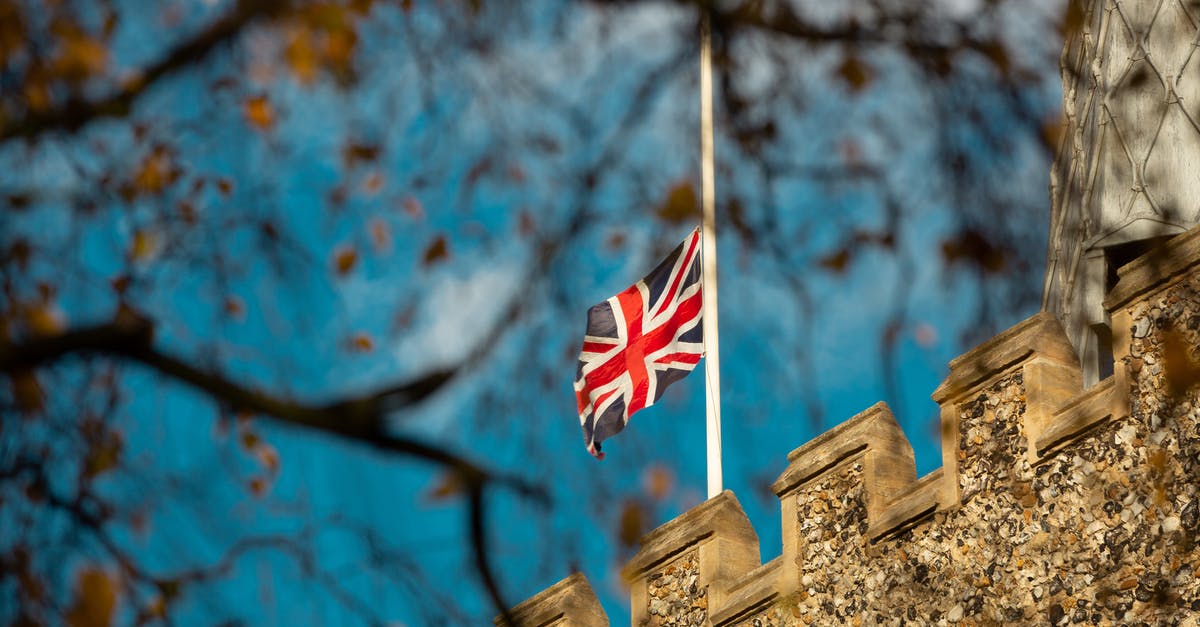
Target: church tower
[{"x": 1127, "y": 173}]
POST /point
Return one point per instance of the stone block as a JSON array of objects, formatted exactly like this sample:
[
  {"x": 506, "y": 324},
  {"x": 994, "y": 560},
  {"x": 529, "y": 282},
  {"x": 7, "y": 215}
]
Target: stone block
[
  {"x": 568, "y": 603},
  {"x": 838, "y": 483},
  {"x": 688, "y": 566},
  {"x": 997, "y": 399}
]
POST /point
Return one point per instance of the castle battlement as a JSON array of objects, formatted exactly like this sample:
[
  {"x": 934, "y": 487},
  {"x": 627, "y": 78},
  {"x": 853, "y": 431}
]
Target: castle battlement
[{"x": 1054, "y": 504}]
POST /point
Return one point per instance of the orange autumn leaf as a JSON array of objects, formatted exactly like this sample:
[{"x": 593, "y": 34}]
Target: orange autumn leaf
[
  {"x": 27, "y": 392},
  {"x": 344, "y": 260},
  {"x": 155, "y": 172},
  {"x": 45, "y": 319},
  {"x": 856, "y": 74},
  {"x": 301, "y": 58},
  {"x": 836, "y": 261},
  {"x": 13, "y": 30},
  {"x": 258, "y": 486},
  {"x": 450, "y": 484},
  {"x": 1180, "y": 368},
  {"x": 235, "y": 308},
  {"x": 104, "y": 455},
  {"x": 36, "y": 91},
  {"x": 680, "y": 205},
  {"x": 436, "y": 251},
  {"x": 339, "y": 47},
  {"x": 259, "y": 113},
  {"x": 657, "y": 481},
  {"x": 79, "y": 55},
  {"x": 362, "y": 343},
  {"x": 414, "y": 208},
  {"x": 145, "y": 245},
  {"x": 95, "y": 599},
  {"x": 381, "y": 235},
  {"x": 268, "y": 456},
  {"x": 1051, "y": 132},
  {"x": 632, "y": 523},
  {"x": 373, "y": 183}
]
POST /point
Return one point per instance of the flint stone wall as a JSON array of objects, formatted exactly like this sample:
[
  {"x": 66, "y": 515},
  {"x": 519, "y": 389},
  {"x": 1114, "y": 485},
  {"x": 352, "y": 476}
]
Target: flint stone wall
[{"x": 1055, "y": 505}]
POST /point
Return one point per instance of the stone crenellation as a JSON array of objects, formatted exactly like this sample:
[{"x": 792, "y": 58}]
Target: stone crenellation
[{"x": 1055, "y": 504}]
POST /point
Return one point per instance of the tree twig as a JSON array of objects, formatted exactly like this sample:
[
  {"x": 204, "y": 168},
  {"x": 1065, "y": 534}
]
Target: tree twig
[
  {"x": 75, "y": 113},
  {"x": 359, "y": 418}
]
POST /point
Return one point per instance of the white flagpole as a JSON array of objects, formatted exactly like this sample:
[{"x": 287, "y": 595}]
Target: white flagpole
[{"x": 712, "y": 352}]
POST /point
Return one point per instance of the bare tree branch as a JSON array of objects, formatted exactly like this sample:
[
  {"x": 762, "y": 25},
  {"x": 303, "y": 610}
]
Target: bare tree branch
[
  {"x": 479, "y": 548},
  {"x": 359, "y": 418},
  {"x": 76, "y": 113}
]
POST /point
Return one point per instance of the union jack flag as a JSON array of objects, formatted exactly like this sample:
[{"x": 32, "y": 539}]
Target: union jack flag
[{"x": 639, "y": 342}]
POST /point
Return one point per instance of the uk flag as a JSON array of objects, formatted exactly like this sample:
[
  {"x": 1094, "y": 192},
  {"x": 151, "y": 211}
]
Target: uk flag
[{"x": 639, "y": 342}]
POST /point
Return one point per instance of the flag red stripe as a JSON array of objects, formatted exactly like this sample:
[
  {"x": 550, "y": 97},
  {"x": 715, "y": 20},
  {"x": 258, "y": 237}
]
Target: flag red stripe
[
  {"x": 686, "y": 358},
  {"x": 669, "y": 295},
  {"x": 687, "y": 311},
  {"x": 635, "y": 357},
  {"x": 598, "y": 347}
]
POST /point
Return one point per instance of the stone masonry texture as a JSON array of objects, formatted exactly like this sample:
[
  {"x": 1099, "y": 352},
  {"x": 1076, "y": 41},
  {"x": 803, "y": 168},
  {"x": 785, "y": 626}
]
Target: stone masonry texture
[{"x": 676, "y": 598}]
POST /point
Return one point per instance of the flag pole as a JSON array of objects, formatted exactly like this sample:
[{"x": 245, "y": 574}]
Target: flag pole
[{"x": 712, "y": 352}]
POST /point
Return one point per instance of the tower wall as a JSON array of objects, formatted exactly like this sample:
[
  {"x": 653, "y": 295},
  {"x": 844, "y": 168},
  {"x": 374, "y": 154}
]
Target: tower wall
[{"x": 1128, "y": 166}]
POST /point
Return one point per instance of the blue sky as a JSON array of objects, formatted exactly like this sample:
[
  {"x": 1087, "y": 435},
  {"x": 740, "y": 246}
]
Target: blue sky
[{"x": 567, "y": 81}]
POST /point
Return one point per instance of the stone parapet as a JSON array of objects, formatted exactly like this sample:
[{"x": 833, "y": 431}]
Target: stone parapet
[
  {"x": 1174, "y": 261},
  {"x": 873, "y": 436},
  {"x": 690, "y": 565},
  {"x": 757, "y": 592},
  {"x": 568, "y": 603},
  {"x": 1032, "y": 359}
]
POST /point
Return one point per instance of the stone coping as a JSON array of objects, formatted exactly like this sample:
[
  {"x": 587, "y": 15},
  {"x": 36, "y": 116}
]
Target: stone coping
[
  {"x": 1164, "y": 263},
  {"x": 756, "y": 590},
  {"x": 725, "y": 544},
  {"x": 1101, "y": 403},
  {"x": 910, "y": 508},
  {"x": 568, "y": 602},
  {"x": 1041, "y": 333},
  {"x": 873, "y": 430},
  {"x": 721, "y": 514}
]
